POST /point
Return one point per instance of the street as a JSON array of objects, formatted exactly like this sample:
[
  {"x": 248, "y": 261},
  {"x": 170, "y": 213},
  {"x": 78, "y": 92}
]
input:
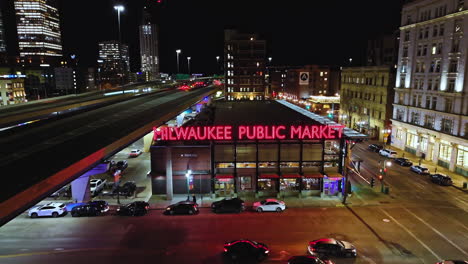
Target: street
[{"x": 418, "y": 222}]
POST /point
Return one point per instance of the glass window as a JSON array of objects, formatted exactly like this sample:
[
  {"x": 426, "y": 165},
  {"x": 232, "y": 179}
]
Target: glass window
[
  {"x": 267, "y": 152},
  {"x": 312, "y": 152},
  {"x": 224, "y": 165},
  {"x": 311, "y": 184},
  {"x": 412, "y": 140},
  {"x": 245, "y": 165},
  {"x": 289, "y": 185},
  {"x": 447, "y": 125},
  {"x": 224, "y": 153},
  {"x": 266, "y": 185},
  {"x": 246, "y": 152},
  {"x": 246, "y": 182},
  {"x": 462, "y": 157},
  {"x": 445, "y": 151},
  {"x": 290, "y": 152}
]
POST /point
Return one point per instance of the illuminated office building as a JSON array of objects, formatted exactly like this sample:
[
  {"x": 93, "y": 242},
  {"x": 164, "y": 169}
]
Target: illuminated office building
[
  {"x": 38, "y": 27},
  {"x": 114, "y": 62},
  {"x": 2, "y": 36},
  {"x": 149, "y": 48}
]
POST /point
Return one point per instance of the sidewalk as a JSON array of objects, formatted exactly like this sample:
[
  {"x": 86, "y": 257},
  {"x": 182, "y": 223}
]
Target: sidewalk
[{"x": 457, "y": 179}]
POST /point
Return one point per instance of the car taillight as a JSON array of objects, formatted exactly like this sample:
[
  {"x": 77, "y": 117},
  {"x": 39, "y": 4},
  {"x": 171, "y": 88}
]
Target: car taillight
[
  {"x": 147, "y": 207},
  {"x": 225, "y": 250}
]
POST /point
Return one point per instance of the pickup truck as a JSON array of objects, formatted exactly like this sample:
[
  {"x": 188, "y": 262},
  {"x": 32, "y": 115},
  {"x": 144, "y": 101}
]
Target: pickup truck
[{"x": 97, "y": 185}]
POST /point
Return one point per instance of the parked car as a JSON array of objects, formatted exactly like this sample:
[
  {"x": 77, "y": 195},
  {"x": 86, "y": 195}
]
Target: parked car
[
  {"x": 102, "y": 205},
  {"x": 86, "y": 210},
  {"x": 234, "y": 205},
  {"x": 245, "y": 249},
  {"x": 403, "y": 162},
  {"x": 137, "y": 208},
  {"x": 308, "y": 260},
  {"x": 375, "y": 147},
  {"x": 184, "y": 207},
  {"x": 269, "y": 205},
  {"x": 441, "y": 179},
  {"x": 65, "y": 191},
  {"x": 134, "y": 153},
  {"x": 49, "y": 209},
  {"x": 331, "y": 247},
  {"x": 97, "y": 185},
  {"x": 453, "y": 262},
  {"x": 127, "y": 189},
  {"x": 419, "y": 170},
  {"x": 388, "y": 153}
]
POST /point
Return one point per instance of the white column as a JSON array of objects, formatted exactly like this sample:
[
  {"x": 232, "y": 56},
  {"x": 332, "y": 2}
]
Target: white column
[
  {"x": 435, "y": 154},
  {"x": 430, "y": 147},
  {"x": 453, "y": 158},
  {"x": 169, "y": 187},
  {"x": 418, "y": 149},
  {"x": 80, "y": 189},
  {"x": 148, "y": 142}
]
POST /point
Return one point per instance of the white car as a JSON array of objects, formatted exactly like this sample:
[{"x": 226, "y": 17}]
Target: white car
[
  {"x": 49, "y": 209},
  {"x": 97, "y": 185},
  {"x": 134, "y": 153},
  {"x": 269, "y": 205},
  {"x": 388, "y": 153}
]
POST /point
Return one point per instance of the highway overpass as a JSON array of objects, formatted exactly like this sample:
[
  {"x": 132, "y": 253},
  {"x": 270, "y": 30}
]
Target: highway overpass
[{"x": 38, "y": 159}]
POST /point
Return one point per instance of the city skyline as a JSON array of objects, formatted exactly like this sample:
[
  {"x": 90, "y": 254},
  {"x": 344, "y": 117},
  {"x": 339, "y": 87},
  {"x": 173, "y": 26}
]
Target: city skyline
[{"x": 183, "y": 23}]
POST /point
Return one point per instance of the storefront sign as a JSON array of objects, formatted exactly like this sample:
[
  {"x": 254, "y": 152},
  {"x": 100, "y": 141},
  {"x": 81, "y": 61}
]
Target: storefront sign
[{"x": 247, "y": 133}]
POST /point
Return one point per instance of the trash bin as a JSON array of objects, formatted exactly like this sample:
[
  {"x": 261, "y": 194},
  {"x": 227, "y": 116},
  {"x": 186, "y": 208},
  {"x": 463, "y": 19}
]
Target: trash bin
[{"x": 387, "y": 189}]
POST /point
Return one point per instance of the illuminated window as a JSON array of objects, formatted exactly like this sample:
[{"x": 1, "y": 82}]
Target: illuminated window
[
  {"x": 462, "y": 157},
  {"x": 412, "y": 140},
  {"x": 445, "y": 151}
]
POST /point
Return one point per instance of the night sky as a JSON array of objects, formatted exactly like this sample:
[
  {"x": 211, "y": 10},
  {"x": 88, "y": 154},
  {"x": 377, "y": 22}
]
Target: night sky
[{"x": 298, "y": 32}]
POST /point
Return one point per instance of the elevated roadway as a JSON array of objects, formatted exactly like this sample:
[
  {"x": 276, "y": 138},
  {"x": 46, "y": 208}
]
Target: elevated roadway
[{"x": 37, "y": 160}]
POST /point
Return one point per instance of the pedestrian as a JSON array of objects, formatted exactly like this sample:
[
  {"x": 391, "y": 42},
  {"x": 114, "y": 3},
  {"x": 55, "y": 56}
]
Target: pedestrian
[
  {"x": 188, "y": 198},
  {"x": 194, "y": 199}
]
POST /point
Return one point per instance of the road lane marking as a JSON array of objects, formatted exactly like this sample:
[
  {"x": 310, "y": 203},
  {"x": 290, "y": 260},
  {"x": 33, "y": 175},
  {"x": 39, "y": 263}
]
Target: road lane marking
[
  {"x": 52, "y": 252},
  {"x": 413, "y": 235},
  {"x": 437, "y": 231}
]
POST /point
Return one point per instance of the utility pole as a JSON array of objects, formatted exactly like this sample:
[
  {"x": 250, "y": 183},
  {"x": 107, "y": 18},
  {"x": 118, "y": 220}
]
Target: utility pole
[{"x": 346, "y": 168}]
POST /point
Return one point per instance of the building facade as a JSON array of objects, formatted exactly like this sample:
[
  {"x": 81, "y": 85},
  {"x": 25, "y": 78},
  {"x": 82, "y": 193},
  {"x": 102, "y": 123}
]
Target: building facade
[
  {"x": 114, "y": 63},
  {"x": 245, "y": 66},
  {"x": 38, "y": 27},
  {"x": 366, "y": 99},
  {"x": 149, "y": 50},
  {"x": 430, "y": 116},
  {"x": 12, "y": 89},
  {"x": 2, "y": 37},
  {"x": 65, "y": 80},
  {"x": 383, "y": 50},
  {"x": 311, "y": 80},
  {"x": 265, "y": 158}
]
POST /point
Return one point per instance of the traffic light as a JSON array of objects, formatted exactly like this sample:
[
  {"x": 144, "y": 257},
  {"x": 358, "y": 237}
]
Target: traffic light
[
  {"x": 380, "y": 177},
  {"x": 372, "y": 182}
]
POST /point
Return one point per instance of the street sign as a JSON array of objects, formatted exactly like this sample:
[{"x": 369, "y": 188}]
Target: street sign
[{"x": 304, "y": 78}]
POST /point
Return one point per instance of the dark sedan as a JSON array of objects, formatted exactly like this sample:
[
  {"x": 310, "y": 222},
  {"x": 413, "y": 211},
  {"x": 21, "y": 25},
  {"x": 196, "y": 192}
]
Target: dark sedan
[
  {"x": 138, "y": 208},
  {"x": 187, "y": 208},
  {"x": 246, "y": 250},
  {"x": 441, "y": 179},
  {"x": 234, "y": 205},
  {"x": 375, "y": 147},
  {"x": 308, "y": 260},
  {"x": 331, "y": 247},
  {"x": 403, "y": 162}
]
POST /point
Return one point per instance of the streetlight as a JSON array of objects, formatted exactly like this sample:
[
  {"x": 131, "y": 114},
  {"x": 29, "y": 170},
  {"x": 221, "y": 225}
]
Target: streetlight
[
  {"x": 217, "y": 64},
  {"x": 188, "y": 60},
  {"x": 269, "y": 59},
  {"x": 187, "y": 175},
  {"x": 119, "y": 8},
  {"x": 178, "y": 52}
]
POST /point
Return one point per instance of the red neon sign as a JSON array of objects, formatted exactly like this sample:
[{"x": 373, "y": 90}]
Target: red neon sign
[{"x": 200, "y": 133}]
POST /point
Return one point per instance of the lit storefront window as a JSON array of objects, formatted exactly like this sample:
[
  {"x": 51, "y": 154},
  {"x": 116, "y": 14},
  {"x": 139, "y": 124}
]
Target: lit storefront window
[
  {"x": 311, "y": 184},
  {"x": 246, "y": 183},
  {"x": 399, "y": 134},
  {"x": 267, "y": 164},
  {"x": 424, "y": 144},
  {"x": 412, "y": 140},
  {"x": 267, "y": 184},
  {"x": 445, "y": 152},
  {"x": 462, "y": 157},
  {"x": 289, "y": 185}
]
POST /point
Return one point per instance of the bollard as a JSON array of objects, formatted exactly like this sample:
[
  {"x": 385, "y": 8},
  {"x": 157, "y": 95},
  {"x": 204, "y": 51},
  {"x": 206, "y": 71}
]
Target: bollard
[{"x": 465, "y": 185}]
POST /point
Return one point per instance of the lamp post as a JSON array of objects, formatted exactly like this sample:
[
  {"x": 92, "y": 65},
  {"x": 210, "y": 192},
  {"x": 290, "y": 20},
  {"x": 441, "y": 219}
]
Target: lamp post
[
  {"x": 217, "y": 64},
  {"x": 188, "y": 61},
  {"x": 119, "y": 8},
  {"x": 178, "y": 52}
]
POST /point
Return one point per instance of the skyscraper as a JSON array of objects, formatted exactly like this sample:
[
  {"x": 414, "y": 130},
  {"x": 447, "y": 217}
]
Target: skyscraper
[
  {"x": 245, "y": 64},
  {"x": 2, "y": 35},
  {"x": 149, "y": 47},
  {"x": 38, "y": 26},
  {"x": 430, "y": 114},
  {"x": 114, "y": 62}
]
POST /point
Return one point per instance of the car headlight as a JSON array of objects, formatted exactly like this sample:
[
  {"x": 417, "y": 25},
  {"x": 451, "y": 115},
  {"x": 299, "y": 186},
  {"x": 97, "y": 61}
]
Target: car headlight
[
  {"x": 168, "y": 208},
  {"x": 118, "y": 209}
]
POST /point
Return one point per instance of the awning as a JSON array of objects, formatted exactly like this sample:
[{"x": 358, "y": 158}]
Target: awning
[
  {"x": 291, "y": 175},
  {"x": 224, "y": 176},
  {"x": 313, "y": 175},
  {"x": 269, "y": 176},
  {"x": 334, "y": 175}
]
